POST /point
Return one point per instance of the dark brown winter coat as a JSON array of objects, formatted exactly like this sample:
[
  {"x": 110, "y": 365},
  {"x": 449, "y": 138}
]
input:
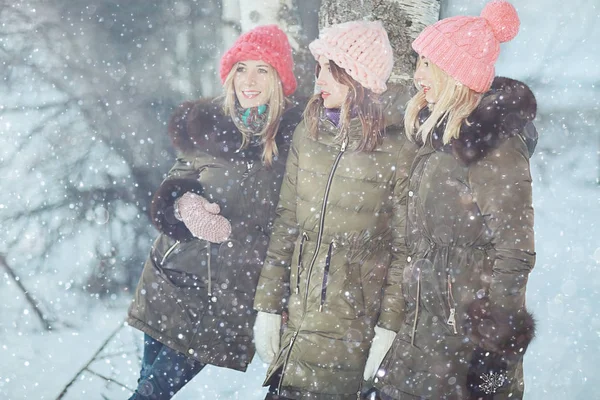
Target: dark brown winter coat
[
  {"x": 329, "y": 256},
  {"x": 195, "y": 296},
  {"x": 471, "y": 244}
]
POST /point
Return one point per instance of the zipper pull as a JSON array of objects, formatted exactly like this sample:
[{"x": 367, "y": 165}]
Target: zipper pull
[
  {"x": 344, "y": 143},
  {"x": 249, "y": 165},
  {"x": 452, "y": 320}
]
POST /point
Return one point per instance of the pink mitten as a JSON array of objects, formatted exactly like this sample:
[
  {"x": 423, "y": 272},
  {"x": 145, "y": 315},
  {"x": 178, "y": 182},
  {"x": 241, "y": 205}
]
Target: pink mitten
[{"x": 202, "y": 218}]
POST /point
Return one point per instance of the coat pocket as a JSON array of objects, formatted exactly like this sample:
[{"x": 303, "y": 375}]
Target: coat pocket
[
  {"x": 345, "y": 286},
  {"x": 184, "y": 264},
  {"x": 179, "y": 277},
  {"x": 161, "y": 304}
]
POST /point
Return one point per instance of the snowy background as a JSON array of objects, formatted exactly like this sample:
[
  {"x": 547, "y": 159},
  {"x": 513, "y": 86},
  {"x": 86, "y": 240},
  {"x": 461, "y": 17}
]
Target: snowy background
[{"x": 75, "y": 176}]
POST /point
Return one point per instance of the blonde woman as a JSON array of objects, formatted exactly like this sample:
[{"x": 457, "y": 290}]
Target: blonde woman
[
  {"x": 214, "y": 212},
  {"x": 470, "y": 219}
]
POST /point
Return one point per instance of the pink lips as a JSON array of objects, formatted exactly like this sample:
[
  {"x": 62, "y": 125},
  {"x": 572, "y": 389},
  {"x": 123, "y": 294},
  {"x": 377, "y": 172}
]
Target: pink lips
[{"x": 250, "y": 94}]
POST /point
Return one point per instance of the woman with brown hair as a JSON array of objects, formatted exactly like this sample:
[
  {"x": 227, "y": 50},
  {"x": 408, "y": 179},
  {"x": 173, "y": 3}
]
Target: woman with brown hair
[{"x": 328, "y": 259}]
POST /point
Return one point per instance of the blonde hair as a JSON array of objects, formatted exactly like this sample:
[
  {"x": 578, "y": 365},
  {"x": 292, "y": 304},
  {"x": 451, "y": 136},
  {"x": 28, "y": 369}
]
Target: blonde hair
[
  {"x": 363, "y": 101},
  {"x": 277, "y": 104},
  {"x": 454, "y": 104}
]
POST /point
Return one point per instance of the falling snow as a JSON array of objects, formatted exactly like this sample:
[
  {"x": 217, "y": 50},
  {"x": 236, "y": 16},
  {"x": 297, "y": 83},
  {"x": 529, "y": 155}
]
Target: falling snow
[{"x": 86, "y": 93}]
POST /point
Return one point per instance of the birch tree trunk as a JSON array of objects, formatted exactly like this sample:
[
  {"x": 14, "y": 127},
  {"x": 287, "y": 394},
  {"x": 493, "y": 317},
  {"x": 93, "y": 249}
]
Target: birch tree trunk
[
  {"x": 402, "y": 19},
  {"x": 230, "y": 29}
]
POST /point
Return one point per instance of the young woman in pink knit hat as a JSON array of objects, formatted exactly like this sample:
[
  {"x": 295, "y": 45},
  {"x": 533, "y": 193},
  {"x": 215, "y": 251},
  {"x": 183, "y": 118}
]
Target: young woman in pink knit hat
[
  {"x": 470, "y": 234},
  {"x": 330, "y": 252},
  {"x": 214, "y": 212}
]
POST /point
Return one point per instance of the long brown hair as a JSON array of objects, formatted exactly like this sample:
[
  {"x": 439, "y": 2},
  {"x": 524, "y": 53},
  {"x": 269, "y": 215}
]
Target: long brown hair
[
  {"x": 361, "y": 100},
  {"x": 455, "y": 103},
  {"x": 277, "y": 105}
]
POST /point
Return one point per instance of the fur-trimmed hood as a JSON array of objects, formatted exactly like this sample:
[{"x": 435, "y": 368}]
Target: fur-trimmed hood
[
  {"x": 201, "y": 125},
  {"x": 506, "y": 110}
]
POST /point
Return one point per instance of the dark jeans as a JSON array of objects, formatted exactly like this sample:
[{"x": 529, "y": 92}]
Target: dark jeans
[
  {"x": 272, "y": 394},
  {"x": 164, "y": 371}
]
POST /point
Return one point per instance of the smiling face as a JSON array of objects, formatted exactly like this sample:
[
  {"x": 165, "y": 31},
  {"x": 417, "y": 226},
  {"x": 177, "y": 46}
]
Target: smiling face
[
  {"x": 332, "y": 92},
  {"x": 252, "y": 82},
  {"x": 427, "y": 80}
]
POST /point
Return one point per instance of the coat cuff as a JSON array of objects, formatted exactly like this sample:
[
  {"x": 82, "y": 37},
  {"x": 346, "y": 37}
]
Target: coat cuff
[
  {"x": 497, "y": 329},
  {"x": 163, "y": 207},
  {"x": 390, "y": 321}
]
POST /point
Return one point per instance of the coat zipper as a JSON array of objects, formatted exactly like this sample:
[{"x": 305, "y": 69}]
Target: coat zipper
[
  {"x": 208, "y": 244},
  {"x": 208, "y": 258},
  {"x": 312, "y": 262},
  {"x": 414, "y": 327},
  {"x": 322, "y": 219}
]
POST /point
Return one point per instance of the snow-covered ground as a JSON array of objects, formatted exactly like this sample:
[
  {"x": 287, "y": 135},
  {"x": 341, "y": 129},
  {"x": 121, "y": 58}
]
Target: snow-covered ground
[{"x": 37, "y": 365}]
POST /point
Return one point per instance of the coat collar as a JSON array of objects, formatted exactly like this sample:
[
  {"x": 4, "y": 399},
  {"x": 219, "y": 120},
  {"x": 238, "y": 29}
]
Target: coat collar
[
  {"x": 201, "y": 125},
  {"x": 506, "y": 110}
]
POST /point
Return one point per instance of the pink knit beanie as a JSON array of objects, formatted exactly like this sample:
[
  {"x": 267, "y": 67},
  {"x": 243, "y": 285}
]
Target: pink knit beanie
[
  {"x": 361, "y": 48},
  {"x": 268, "y": 43},
  {"x": 466, "y": 48}
]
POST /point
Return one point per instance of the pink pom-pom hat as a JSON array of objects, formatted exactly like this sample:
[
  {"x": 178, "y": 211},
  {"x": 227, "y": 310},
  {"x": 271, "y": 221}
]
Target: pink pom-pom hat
[
  {"x": 361, "y": 48},
  {"x": 466, "y": 48}
]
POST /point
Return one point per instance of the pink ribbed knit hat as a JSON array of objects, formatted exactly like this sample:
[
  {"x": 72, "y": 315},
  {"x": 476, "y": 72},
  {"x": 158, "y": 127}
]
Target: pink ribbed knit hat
[
  {"x": 466, "y": 48},
  {"x": 361, "y": 48},
  {"x": 268, "y": 43}
]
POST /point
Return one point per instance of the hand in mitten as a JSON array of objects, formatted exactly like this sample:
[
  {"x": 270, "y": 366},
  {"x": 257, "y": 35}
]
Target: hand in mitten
[
  {"x": 267, "y": 329},
  {"x": 202, "y": 218},
  {"x": 501, "y": 336},
  {"x": 487, "y": 374},
  {"x": 381, "y": 344}
]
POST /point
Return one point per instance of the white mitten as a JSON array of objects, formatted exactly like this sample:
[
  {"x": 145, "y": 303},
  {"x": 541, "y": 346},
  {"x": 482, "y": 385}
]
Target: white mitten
[
  {"x": 381, "y": 344},
  {"x": 267, "y": 329}
]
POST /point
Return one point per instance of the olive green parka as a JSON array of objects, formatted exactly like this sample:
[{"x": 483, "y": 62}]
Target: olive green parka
[
  {"x": 327, "y": 263},
  {"x": 471, "y": 248}
]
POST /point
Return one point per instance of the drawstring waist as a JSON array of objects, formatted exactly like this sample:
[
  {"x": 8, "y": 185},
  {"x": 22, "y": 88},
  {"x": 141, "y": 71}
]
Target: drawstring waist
[{"x": 445, "y": 251}]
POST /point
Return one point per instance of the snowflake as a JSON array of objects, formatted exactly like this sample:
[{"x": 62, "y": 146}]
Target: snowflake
[{"x": 492, "y": 382}]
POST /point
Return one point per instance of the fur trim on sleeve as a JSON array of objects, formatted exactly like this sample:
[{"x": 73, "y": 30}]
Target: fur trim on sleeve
[
  {"x": 162, "y": 207},
  {"x": 499, "y": 330}
]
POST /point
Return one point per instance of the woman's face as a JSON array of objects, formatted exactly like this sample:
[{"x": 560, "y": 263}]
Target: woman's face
[
  {"x": 426, "y": 81},
  {"x": 333, "y": 93},
  {"x": 252, "y": 83}
]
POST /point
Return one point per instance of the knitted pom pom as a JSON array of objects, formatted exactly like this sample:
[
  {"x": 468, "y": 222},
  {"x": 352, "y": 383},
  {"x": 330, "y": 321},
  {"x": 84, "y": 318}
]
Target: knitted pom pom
[{"x": 503, "y": 19}]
